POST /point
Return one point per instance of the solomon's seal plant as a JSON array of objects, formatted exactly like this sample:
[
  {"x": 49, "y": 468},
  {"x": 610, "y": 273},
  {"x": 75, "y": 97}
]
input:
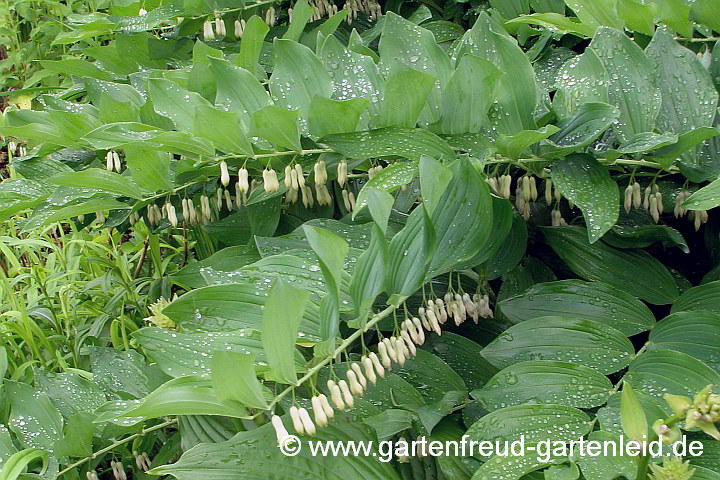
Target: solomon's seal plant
[{"x": 228, "y": 226}]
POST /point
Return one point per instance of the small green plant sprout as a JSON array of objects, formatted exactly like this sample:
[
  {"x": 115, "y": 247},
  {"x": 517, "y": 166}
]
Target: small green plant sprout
[
  {"x": 673, "y": 468},
  {"x": 702, "y": 412}
]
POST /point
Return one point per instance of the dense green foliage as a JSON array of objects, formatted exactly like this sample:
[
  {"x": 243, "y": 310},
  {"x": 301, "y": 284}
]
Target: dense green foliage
[{"x": 215, "y": 212}]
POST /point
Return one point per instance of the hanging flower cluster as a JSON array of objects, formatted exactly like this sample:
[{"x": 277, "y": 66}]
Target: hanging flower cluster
[{"x": 112, "y": 162}]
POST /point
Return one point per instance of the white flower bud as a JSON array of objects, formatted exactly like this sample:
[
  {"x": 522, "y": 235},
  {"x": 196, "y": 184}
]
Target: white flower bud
[
  {"x": 336, "y": 396},
  {"x": 423, "y": 319},
  {"x": 320, "y": 173},
  {"x": 294, "y": 179},
  {"x": 533, "y": 189},
  {"x": 654, "y": 209},
  {"x": 100, "y": 216},
  {"x": 325, "y": 405},
  {"x": 369, "y": 370},
  {"x": 636, "y": 195},
  {"x": 419, "y": 330},
  {"x": 390, "y": 348},
  {"x": 660, "y": 205},
  {"x": 288, "y": 177},
  {"x": 220, "y": 27},
  {"x": 346, "y": 201},
  {"x": 280, "y": 431},
  {"x": 432, "y": 319},
  {"x": 224, "y": 174},
  {"x": 526, "y": 187},
  {"x": 399, "y": 346},
  {"x": 548, "y": 191},
  {"x": 628, "y": 198},
  {"x": 109, "y": 162},
  {"x": 358, "y": 371},
  {"x": 409, "y": 342},
  {"x": 208, "y": 33},
  {"x": 172, "y": 216},
  {"x": 270, "y": 181},
  {"x": 382, "y": 350},
  {"x": 228, "y": 200},
  {"x": 347, "y": 396},
  {"x": 319, "y": 413},
  {"x": 376, "y": 363},
  {"x": 441, "y": 308},
  {"x": 142, "y": 12},
  {"x": 355, "y": 386},
  {"x": 351, "y": 198},
  {"x": 296, "y": 421},
  {"x": 307, "y": 422},
  {"x": 243, "y": 180},
  {"x": 342, "y": 173},
  {"x": 646, "y": 198},
  {"x": 300, "y": 175}
]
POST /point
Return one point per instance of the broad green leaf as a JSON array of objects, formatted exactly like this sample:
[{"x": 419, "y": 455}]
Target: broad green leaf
[
  {"x": 388, "y": 180},
  {"x": 632, "y": 86},
  {"x": 132, "y": 134},
  {"x": 689, "y": 98},
  {"x": 618, "y": 268},
  {"x": 380, "y": 204},
  {"x": 300, "y": 16},
  {"x": 596, "y": 13},
  {"x": 78, "y": 438},
  {"x": 514, "y": 146},
  {"x": 237, "y": 89},
  {"x": 637, "y": 230},
  {"x": 99, "y": 179},
  {"x": 434, "y": 179},
  {"x": 33, "y": 419},
  {"x": 120, "y": 372},
  {"x": 17, "y": 195},
  {"x": 455, "y": 350},
  {"x": 468, "y": 96},
  {"x": 462, "y": 218},
  {"x": 535, "y": 422},
  {"x": 632, "y": 415},
  {"x": 556, "y": 22},
  {"x": 76, "y": 66},
  {"x": 637, "y": 16},
  {"x": 224, "y": 129},
  {"x": 406, "y": 94},
  {"x": 431, "y": 376},
  {"x": 691, "y": 165},
  {"x": 705, "y": 12},
  {"x": 393, "y": 141},
  {"x": 415, "y": 46},
  {"x": 608, "y": 467},
  {"x": 250, "y": 455},
  {"x": 584, "y": 127},
  {"x": 234, "y": 379},
  {"x": 278, "y": 126},
  {"x": 511, "y": 467},
  {"x": 252, "y": 42},
  {"x": 331, "y": 251},
  {"x": 149, "y": 168},
  {"x": 408, "y": 253},
  {"x": 695, "y": 333},
  {"x": 191, "y": 354},
  {"x": 368, "y": 279},
  {"x": 196, "y": 429},
  {"x": 53, "y": 214},
  {"x": 517, "y": 99},
  {"x": 545, "y": 382},
  {"x": 588, "y": 300},
  {"x": 69, "y": 392},
  {"x": 15, "y": 466},
  {"x": 179, "y": 396},
  {"x": 580, "y": 341},
  {"x": 7, "y": 448},
  {"x": 281, "y": 319},
  {"x": 705, "y": 198},
  {"x": 659, "y": 372},
  {"x": 298, "y": 76},
  {"x": 175, "y": 103},
  {"x": 509, "y": 252},
  {"x": 228, "y": 259},
  {"x": 584, "y": 181},
  {"x": 335, "y": 116},
  {"x": 390, "y": 422},
  {"x": 703, "y": 297},
  {"x": 675, "y": 14},
  {"x": 580, "y": 80}
]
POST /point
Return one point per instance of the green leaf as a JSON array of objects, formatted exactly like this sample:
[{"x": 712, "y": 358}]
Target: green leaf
[
  {"x": 175, "y": 103},
  {"x": 580, "y": 80},
  {"x": 227, "y": 260},
  {"x": 689, "y": 98},
  {"x": 251, "y": 45},
  {"x": 455, "y": 350},
  {"x": 17, "y": 195},
  {"x": 250, "y": 454},
  {"x": 607, "y": 467},
  {"x": 596, "y": 13},
  {"x": 179, "y": 396},
  {"x": 434, "y": 179},
  {"x": 406, "y": 93},
  {"x": 664, "y": 371},
  {"x": 78, "y": 438},
  {"x": 76, "y": 66},
  {"x": 511, "y": 467},
  {"x": 555, "y": 22},
  {"x": 388, "y": 180},
  {"x": 278, "y": 126},
  {"x": 15, "y": 466},
  {"x": 584, "y": 181},
  {"x": 234, "y": 378},
  {"x": 705, "y": 198},
  {"x": 335, "y": 116},
  {"x": 149, "y": 168},
  {"x": 69, "y": 392},
  {"x": 702, "y": 297},
  {"x": 46, "y": 217},
  {"x": 632, "y": 86},
  {"x": 408, "y": 253},
  {"x": 33, "y": 419},
  {"x": 618, "y": 268},
  {"x": 584, "y": 127},
  {"x": 191, "y": 354},
  {"x": 281, "y": 319},
  {"x": 390, "y": 422},
  {"x": 705, "y": 12},
  {"x": 393, "y": 141},
  {"x": 99, "y": 179},
  {"x": 509, "y": 252},
  {"x": 300, "y": 15},
  {"x": 632, "y": 415},
  {"x": 517, "y": 99},
  {"x": 431, "y": 376},
  {"x": 224, "y": 129},
  {"x": 403, "y": 41},
  {"x": 694, "y": 333},
  {"x": 298, "y": 76},
  {"x": 237, "y": 89},
  {"x": 514, "y": 146},
  {"x": 545, "y": 382},
  {"x": 368, "y": 279},
  {"x": 535, "y": 422},
  {"x": 3, "y": 362},
  {"x": 576, "y": 340},
  {"x": 124, "y": 373},
  {"x": 637, "y": 230},
  {"x": 588, "y": 300}
]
